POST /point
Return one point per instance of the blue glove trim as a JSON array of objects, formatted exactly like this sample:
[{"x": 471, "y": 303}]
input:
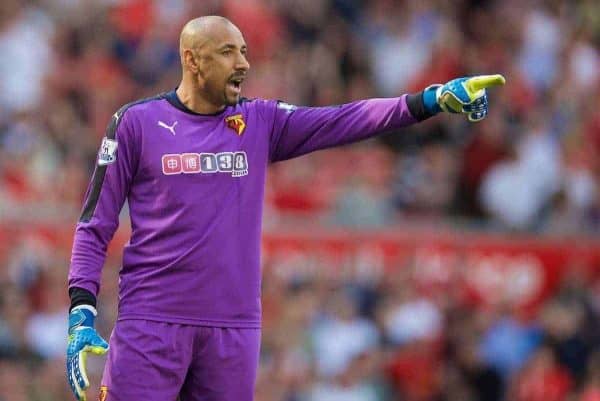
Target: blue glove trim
[
  {"x": 430, "y": 99},
  {"x": 81, "y": 316}
]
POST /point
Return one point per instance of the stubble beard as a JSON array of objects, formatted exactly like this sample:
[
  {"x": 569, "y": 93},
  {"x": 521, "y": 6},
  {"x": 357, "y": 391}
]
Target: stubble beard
[{"x": 231, "y": 102}]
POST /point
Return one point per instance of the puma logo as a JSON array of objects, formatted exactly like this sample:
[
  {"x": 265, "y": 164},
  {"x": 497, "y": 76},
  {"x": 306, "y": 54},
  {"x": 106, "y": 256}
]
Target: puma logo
[{"x": 170, "y": 128}]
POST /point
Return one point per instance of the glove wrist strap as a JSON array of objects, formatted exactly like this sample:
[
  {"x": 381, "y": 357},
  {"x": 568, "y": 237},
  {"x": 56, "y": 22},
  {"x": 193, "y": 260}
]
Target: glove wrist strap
[
  {"x": 90, "y": 308},
  {"x": 430, "y": 98},
  {"x": 82, "y": 316}
]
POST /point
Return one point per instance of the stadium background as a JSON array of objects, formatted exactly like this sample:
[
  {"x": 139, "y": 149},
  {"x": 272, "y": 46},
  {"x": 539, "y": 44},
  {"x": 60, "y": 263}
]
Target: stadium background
[{"x": 449, "y": 261}]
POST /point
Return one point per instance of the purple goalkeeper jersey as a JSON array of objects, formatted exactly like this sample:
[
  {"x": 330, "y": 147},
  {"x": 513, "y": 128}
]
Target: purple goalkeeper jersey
[{"x": 195, "y": 184}]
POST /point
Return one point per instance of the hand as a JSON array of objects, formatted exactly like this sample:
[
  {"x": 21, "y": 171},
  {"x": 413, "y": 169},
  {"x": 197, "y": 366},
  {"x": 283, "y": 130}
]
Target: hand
[
  {"x": 462, "y": 95},
  {"x": 83, "y": 338}
]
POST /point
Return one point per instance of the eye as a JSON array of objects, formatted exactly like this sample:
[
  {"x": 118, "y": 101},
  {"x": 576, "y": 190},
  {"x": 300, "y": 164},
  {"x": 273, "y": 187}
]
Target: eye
[{"x": 226, "y": 52}]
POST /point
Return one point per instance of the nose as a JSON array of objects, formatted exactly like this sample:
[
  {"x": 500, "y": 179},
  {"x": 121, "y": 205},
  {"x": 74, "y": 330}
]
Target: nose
[{"x": 242, "y": 63}]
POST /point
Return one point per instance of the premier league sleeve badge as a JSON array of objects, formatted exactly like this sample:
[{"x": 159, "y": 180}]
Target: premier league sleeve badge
[{"x": 108, "y": 152}]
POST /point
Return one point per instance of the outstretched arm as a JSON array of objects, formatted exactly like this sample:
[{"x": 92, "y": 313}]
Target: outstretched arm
[{"x": 300, "y": 130}]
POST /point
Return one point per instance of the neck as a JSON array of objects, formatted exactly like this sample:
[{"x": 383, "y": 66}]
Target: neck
[{"x": 192, "y": 97}]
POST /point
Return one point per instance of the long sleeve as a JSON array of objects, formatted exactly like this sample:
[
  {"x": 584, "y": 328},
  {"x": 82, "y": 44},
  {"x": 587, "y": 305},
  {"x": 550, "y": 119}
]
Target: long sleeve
[
  {"x": 105, "y": 196},
  {"x": 300, "y": 130}
]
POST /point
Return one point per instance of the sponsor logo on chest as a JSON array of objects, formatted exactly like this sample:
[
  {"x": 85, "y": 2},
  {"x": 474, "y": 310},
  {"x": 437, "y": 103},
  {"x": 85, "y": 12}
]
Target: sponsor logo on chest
[{"x": 234, "y": 163}]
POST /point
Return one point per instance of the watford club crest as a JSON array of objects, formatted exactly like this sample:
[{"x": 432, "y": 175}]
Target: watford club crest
[
  {"x": 103, "y": 393},
  {"x": 236, "y": 123}
]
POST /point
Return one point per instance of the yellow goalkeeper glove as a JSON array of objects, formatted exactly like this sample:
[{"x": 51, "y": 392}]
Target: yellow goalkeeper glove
[{"x": 462, "y": 95}]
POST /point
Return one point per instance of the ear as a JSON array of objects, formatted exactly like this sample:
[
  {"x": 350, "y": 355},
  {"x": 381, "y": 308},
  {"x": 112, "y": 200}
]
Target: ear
[{"x": 189, "y": 60}]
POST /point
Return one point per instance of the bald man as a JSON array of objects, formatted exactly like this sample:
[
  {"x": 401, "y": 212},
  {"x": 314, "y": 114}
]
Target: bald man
[{"x": 192, "y": 165}]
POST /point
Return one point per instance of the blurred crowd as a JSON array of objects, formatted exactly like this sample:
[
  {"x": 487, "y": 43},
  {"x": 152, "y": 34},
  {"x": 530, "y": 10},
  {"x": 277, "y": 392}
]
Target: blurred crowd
[
  {"x": 337, "y": 334},
  {"x": 532, "y": 166},
  {"x": 330, "y": 339}
]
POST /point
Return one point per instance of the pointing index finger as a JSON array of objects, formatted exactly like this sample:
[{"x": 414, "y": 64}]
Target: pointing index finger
[{"x": 475, "y": 84}]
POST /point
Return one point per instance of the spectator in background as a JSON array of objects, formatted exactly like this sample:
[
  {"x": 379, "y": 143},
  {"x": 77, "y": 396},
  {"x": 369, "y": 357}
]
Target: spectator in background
[
  {"x": 591, "y": 386},
  {"x": 48, "y": 318},
  {"x": 340, "y": 335},
  {"x": 483, "y": 379},
  {"x": 516, "y": 191},
  {"x": 508, "y": 343},
  {"x": 13, "y": 387},
  {"x": 409, "y": 317},
  {"x": 424, "y": 183},
  {"x": 355, "y": 383},
  {"x": 47, "y": 378},
  {"x": 24, "y": 27},
  {"x": 563, "y": 324},
  {"x": 487, "y": 147},
  {"x": 542, "y": 379},
  {"x": 13, "y": 319},
  {"x": 542, "y": 42}
]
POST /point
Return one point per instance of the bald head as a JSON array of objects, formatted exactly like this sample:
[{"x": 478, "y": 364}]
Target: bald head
[
  {"x": 199, "y": 31},
  {"x": 213, "y": 58}
]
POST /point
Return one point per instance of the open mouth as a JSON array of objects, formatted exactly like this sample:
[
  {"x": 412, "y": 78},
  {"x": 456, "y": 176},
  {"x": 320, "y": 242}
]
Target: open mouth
[{"x": 235, "y": 84}]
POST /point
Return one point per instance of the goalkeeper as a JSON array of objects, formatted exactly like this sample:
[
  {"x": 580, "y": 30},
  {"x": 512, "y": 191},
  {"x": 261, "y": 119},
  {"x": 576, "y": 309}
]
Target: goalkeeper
[{"x": 191, "y": 164}]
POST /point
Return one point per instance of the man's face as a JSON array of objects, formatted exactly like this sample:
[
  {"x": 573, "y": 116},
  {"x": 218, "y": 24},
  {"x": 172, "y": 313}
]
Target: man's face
[{"x": 223, "y": 66}]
